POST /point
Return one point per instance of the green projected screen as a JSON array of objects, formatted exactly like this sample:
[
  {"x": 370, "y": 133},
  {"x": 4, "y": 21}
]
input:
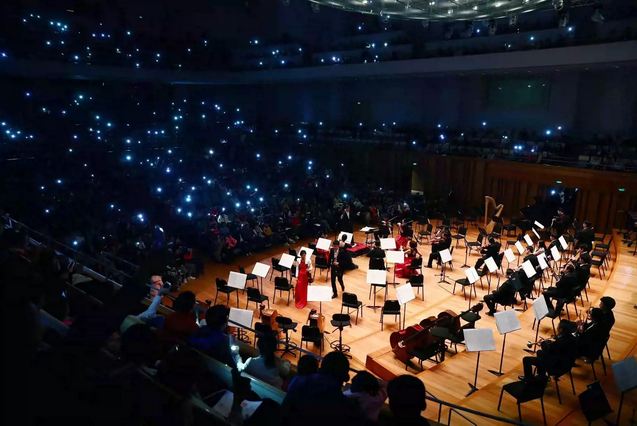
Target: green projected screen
[{"x": 518, "y": 93}]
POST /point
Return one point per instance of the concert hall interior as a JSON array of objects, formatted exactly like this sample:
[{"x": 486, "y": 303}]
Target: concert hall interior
[{"x": 319, "y": 212}]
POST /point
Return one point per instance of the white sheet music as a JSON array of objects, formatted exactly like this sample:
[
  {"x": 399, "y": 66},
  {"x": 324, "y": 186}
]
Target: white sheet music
[
  {"x": 507, "y": 321},
  {"x": 319, "y": 293},
  {"x": 308, "y": 252},
  {"x": 625, "y": 373},
  {"x": 555, "y": 254},
  {"x": 563, "y": 242},
  {"x": 394, "y": 256},
  {"x": 349, "y": 237},
  {"x": 445, "y": 256},
  {"x": 539, "y": 225},
  {"x": 529, "y": 269},
  {"x": 472, "y": 275},
  {"x": 237, "y": 280},
  {"x": 286, "y": 260},
  {"x": 479, "y": 339},
  {"x": 261, "y": 269},
  {"x": 540, "y": 308},
  {"x": 536, "y": 234},
  {"x": 508, "y": 253},
  {"x": 518, "y": 245},
  {"x": 323, "y": 244},
  {"x": 388, "y": 243},
  {"x": 541, "y": 258},
  {"x": 241, "y": 316},
  {"x": 376, "y": 276},
  {"x": 528, "y": 240},
  {"x": 405, "y": 293},
  {"x": 367, "y": 229},
  {"x": 491, "y": 264}
]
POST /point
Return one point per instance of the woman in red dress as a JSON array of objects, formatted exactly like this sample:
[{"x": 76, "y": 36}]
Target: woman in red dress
[
  {"x": 401, "y": 268},
  {"x": 403, "y": 237},
  {"x": 304, "y": 269}
]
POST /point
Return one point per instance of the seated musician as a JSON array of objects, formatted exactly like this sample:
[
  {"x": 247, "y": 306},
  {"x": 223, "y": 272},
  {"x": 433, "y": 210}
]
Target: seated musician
[
  {"x": 376, "y": 252},
  {"x": 490, "y": 250},
  {"x": 344, "y": 244},
  {"x": 412, "y": 253},
  {"x": 564, "y": 286},
  {"x": 504, "y": 295},
  {"x": 541, "y": 248},
  {"x": 583, "y": 269},
  {"x": 383, "y": 231},
  {"x": 592, "y": 331},
  {"x": 436, "y": 248},
  {"x": 554, "y": 353},
  {"x": 606, "y": 304}
]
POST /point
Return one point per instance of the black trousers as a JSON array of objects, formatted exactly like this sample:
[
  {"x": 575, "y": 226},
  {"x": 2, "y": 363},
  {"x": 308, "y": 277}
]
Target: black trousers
[
  {"x": 479, "y": 263},
  {"x": 432, "y": 257},
  {"x": 491, "y": 300},
  {"x": 534, "y": 361},
  {"x": 337, "y": 273}
]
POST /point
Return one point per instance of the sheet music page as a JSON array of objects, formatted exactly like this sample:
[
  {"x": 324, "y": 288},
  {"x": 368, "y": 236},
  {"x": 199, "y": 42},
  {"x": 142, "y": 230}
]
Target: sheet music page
[
  {"x": 625, "y": 373},
  {"x": 540, "y": 308},
  {"x": 388, "y": 243},
  {"x": 472, "y": 275},
  {"x": 308, "y": 252},
  {"x": 528, "y": 268},
  {"x": 395, "y": 256},
  {"x": 518, "y": 245},
  {"x": 508, "y": 253},
  {"x": 507, "y": 321},
  {"x": 479, "y": 339},
  {"x": 261, "y": 269},
  {"x": 405, "y": 293},
  {"x": 319, "y": 293},
  {"x": 286, "y": 260},
  {"x": 445, "y": 256},
  {"x": 555, "y": 254},
  {"x": 563, "y": 242},
  {"x": 224, "y": 406},
  {"x": 237, "y": 280},
  {"x": 376, "y": 277},
  {"x": 542, "y": 261},
  {"x": 539, "y": 225},
  {"x": 491, "y": 264},
  {"x": 241, "y": 316},
  {"x": 528, "y": 240},
  {"x": 536, "y": 234},
  {"x": 323, "y": 244},
  {"x": 349, "y": 237},
  {"x": 367, "y": 229}
]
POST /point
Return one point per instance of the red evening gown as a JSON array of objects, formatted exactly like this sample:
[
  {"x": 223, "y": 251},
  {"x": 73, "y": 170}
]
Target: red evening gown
[{"x": 300, "y": 292}]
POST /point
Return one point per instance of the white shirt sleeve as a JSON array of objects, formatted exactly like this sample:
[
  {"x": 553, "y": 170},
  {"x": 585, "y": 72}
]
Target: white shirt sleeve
[{"x": 152, "y": 309}]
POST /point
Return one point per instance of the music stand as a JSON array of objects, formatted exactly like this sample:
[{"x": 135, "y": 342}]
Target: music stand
[
  {"x": 241, "y": 319},
  {"x": 625, "y": 373},
  {"x": 319, "y": 293},
  {"x": 261, "y": 270},
  {"x": 376, "y": 276},
  {"x": 340, "y": 321},
  {"x": 445, "y": 257},
  {"x": 540, "y": 311},
  {"x": 521, "y": 250},
  {"x": 395, "y": 256},
  {"x": 478, "y": 340},
  {"x": 472, "y": 277},
  {"x": 405, "y": 293},
  {"x": 493, "y": 268},
  {"x": 388, "y": 243},
  {"x": 507, "y": 322},
  {"x": 510, "y": 257}
]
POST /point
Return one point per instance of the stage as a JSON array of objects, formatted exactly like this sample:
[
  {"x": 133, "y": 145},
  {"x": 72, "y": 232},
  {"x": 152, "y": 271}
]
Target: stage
[{"x": 448, "y": 380}]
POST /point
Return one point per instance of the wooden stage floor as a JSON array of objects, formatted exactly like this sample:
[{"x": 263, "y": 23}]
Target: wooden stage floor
[{"x": 448, "y": 380}]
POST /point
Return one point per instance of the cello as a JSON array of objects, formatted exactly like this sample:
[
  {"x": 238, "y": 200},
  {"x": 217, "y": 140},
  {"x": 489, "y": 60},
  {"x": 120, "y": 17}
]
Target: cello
[{"x": 412, "y": 337}]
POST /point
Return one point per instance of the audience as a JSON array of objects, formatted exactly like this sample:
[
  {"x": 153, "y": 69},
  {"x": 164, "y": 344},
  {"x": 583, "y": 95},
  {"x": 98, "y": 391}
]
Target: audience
[
  {"x": 212, "y": 338},
  {"x": 267, "y": 366},
  {"x": 407, "y": 401},
  {"x": 370, "y": 393},
  {"x": 182, "y": 323}
]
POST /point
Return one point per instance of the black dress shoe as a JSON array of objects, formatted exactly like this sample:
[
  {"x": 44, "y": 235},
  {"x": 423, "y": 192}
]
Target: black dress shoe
[
  {"x": 490, "y": 313},
  {"x": 334, "y": 296}
]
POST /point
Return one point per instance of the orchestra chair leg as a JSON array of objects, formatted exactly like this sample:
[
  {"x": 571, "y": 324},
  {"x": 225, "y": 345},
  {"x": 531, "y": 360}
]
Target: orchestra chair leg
[
  {"x": 519, "y": 412},
  {"x": 500, "y": 401},
  {"x": 607, "y": 351},
  {"x": 557, "y": 389},
  {"x": 570, "y": 373},
  {"x": 603, "y": 363},
  {"x": 594, "y": 373},
  {"x": 543, "y": 412}
]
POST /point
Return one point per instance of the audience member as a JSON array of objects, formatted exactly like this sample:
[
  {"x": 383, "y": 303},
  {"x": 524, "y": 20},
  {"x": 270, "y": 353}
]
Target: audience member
[
  {"x": 182, "y": 323},
  {"x": 212, "y": 338},
  {"x": 267, "y": 366},
  {"x": 407, "y": 401},
  {"x": 369, "y": 392}
]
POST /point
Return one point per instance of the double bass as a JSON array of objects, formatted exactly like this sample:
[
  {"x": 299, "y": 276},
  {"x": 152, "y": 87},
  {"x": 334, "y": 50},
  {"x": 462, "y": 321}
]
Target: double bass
[
  {"x": 449, "y": 320},
  {"x": 410, "y": 338}
]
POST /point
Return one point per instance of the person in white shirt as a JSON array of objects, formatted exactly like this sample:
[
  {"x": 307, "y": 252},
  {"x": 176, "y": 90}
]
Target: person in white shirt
[{"x": 267, "y": 367}]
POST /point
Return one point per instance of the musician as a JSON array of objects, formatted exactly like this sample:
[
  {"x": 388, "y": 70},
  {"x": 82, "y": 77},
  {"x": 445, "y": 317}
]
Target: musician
[
  {"x": 554, "y": 353},
  {"x": 560, "y": 222},
  {"x": 436, "y": 248},
  {"x": 526, "y": 284},
  {"x": 346, "y": 222},
  {"x": 541, "y": 248},
  {"x": 586, "y": 236},
  {"x": 554, "y": 243},
  {"x": 564, "y": 286},
  {"x": 583, "y": 269},
  {"x": 490, "y": 250},
  {"x": 337, "y": 258},
  {"x": 505, "y": 295},
  {"x": 383, "y": 231},
  {"x": 344, "y": 244},
  {"x": 606, "y": 304},
  {"x": 376, "y": 252},
  {"x": 592, "y": 331}
]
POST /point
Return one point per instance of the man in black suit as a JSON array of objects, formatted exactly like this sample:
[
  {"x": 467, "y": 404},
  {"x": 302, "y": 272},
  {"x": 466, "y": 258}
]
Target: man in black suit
[
  {"x": 563, "y": 288},
  {"x": 436, "y": 248},
  {"x": 491, "y": 250},
  {"x": 504, "y": 295},
  {"x": 586, "y": 236},
  {"x": 376, "y": 252},
  {"x": 592, "y": 333},
  {"x": 583, "y": 269},
  {"x": 606, "y": 304},
  {"x": 383, "y": 231},
  {"x": 338, "y": 257},
  {"x": 346, "y": 222},
  {"x": 554, "y": 353},
  {"x": 560, "y": 222}
]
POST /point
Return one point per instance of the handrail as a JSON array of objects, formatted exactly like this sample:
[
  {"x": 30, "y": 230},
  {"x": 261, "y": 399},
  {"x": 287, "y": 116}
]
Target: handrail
[{"x": 453, "y": 407}]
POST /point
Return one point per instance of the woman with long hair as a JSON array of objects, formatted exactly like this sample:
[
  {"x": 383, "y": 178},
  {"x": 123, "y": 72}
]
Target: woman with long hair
[
  {"x": 302, "y": 281},
  {"x": 267, "y": 366}
]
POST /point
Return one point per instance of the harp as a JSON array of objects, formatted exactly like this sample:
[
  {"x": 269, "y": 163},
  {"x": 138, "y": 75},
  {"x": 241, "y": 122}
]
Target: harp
[{"x": 491, "y": 210}]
